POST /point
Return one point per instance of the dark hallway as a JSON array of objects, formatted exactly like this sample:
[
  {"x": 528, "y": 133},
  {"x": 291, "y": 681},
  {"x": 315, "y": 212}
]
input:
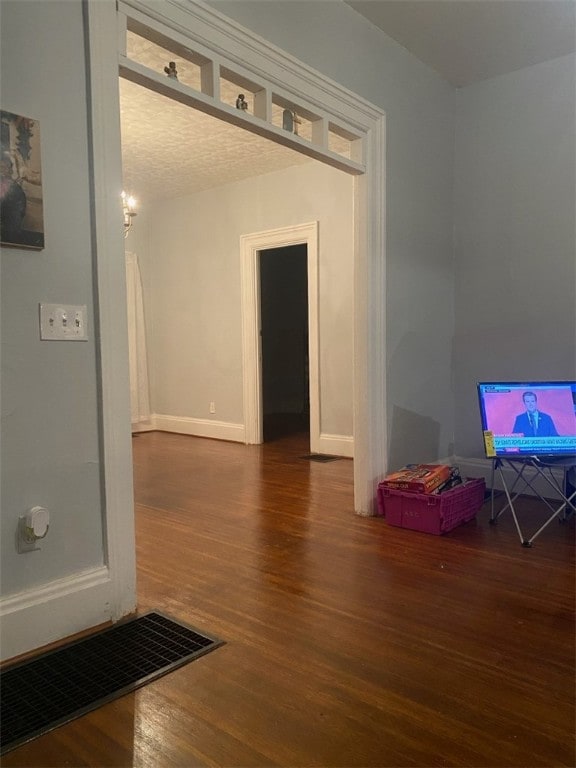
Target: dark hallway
[{"x": 284, "y": 334}]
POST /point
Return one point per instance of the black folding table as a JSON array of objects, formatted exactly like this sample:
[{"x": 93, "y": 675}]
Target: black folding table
[{"x": 527, "y": 470}]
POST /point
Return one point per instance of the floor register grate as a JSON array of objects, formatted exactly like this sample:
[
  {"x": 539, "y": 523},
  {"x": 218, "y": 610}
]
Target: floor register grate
[
  {"x": 321, "y": 457},
  {"x": 58, "y": 686}
]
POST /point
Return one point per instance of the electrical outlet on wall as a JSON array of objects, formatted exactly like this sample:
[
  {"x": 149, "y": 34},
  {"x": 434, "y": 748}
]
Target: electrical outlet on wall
[{"x": 212, "y": 407}]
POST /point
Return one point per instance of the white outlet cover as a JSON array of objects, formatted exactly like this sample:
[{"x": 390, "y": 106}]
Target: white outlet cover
[{"x": 63, "y": 322}]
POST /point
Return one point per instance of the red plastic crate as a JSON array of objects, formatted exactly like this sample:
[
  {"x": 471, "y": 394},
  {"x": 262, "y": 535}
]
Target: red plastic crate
[{"x": 432, "y": 512}]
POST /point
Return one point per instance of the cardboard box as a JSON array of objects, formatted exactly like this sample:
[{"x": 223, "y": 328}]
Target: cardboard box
[{"x": 419, "y": 478}]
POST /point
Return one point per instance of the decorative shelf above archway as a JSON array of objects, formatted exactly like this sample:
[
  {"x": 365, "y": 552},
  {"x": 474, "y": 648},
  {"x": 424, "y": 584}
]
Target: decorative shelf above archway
[{"x": 212, "y": 85}]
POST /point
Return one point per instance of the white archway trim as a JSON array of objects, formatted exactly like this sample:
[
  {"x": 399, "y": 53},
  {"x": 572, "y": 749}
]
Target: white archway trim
[
  {"x": 250, "y": 247},
  {"x": 256, "y": 56},
  {"x": 111, "y": 318}
]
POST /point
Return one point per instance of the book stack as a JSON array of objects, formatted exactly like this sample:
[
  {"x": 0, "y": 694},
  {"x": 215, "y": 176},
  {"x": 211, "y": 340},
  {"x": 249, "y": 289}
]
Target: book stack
[
  {"x": 454, "y": 480},
  {"x": 423, "y": 478}
]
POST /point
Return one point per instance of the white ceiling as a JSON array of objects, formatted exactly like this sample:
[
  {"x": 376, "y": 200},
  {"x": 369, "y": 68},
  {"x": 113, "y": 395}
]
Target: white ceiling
[
  {"x": 470, "y": 40},
  {"x": 175, "y": 150}
]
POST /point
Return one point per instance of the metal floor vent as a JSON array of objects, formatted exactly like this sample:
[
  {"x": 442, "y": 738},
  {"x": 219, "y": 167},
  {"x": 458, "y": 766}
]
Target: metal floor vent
[
  {"x": 58, "y": 686},
  {"x": 320, "y": 457}
]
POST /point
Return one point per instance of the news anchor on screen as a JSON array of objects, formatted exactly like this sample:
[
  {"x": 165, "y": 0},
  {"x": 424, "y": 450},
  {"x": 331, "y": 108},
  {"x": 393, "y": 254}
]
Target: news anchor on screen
[{"x": 534, "y": 423}]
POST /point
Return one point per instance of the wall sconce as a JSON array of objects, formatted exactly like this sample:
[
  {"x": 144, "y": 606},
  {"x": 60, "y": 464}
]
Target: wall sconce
[{"x": 128, "y": 206}]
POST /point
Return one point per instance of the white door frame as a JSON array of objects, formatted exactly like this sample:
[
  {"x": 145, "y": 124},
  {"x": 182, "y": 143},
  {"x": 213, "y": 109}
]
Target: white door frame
[
  {"x": 200, "y": 23},
  {"x": 220, "y": 36},
  {"x": 250, "y": 247}
]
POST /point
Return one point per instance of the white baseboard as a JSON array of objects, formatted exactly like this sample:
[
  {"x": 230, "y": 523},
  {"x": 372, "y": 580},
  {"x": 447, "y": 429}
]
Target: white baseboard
[
  {"x": 143, "y": 426},
  {"x": 220, "y": 430},
  {"x": 483, "y": 468},
  {"x": 336, "y": 445},
  {"x": 333, "y": 445},
  {"x": 61, "y": 608}
]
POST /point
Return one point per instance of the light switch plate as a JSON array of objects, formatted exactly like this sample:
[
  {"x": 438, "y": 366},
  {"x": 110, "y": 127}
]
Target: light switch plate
[{"x": 63, "y": 322}]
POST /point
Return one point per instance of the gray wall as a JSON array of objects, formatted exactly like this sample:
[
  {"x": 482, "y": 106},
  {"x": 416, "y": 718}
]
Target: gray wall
[
  {"x": 190, "y": 268},
  {"x": 50, "y": 446},
  {"x": 515, "y": 250},
  {"x": 338, "y": 42}
]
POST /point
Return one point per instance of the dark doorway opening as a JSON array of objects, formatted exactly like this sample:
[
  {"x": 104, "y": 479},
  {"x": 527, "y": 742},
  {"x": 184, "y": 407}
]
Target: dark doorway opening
[{"x": 284, "y": 333}]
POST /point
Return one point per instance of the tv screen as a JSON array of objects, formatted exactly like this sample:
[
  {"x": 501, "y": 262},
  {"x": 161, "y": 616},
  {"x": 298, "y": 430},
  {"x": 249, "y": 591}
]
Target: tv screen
[{"x": 534, "y": 418}]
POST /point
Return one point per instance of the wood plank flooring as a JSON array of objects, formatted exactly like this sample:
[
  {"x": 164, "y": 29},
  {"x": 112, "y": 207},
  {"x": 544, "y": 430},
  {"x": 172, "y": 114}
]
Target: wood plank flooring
[{"x": 348, "y": 642}]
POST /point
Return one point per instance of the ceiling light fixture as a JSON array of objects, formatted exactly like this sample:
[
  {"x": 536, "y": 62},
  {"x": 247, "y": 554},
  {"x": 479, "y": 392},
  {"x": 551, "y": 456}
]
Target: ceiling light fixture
[{"x": 128, "y": 206}]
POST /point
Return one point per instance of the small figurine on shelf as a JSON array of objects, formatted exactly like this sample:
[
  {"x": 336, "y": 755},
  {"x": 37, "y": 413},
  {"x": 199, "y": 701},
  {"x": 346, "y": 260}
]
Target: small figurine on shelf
[
  {"x": 297, "y": 122},
  {"x": 241, "y": 102},
  {"x": 290, "y": 121},
  {"x": 171, "y": 70}
]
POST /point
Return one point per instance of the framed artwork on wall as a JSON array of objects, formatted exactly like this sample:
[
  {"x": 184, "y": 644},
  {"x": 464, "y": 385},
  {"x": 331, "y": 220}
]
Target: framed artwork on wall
[{"x": 21, "y": 203}]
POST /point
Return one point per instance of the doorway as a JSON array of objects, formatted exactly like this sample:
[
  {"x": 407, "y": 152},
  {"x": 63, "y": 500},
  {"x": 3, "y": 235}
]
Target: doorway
[
  {"x": 216, "y": 33},
  {"x": 305, "y": 237},
  {"x": 284, "y": 341}
]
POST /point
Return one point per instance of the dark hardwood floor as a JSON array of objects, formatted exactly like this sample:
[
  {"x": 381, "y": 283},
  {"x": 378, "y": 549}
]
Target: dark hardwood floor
[{"x": 348, "y": 642}]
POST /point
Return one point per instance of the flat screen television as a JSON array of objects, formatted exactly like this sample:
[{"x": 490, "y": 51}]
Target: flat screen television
[{"x": 528, "y": 418}]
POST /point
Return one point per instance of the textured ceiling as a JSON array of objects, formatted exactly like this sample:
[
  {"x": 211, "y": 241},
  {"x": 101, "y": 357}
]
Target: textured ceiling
[{"x": 171, "y": 150}]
